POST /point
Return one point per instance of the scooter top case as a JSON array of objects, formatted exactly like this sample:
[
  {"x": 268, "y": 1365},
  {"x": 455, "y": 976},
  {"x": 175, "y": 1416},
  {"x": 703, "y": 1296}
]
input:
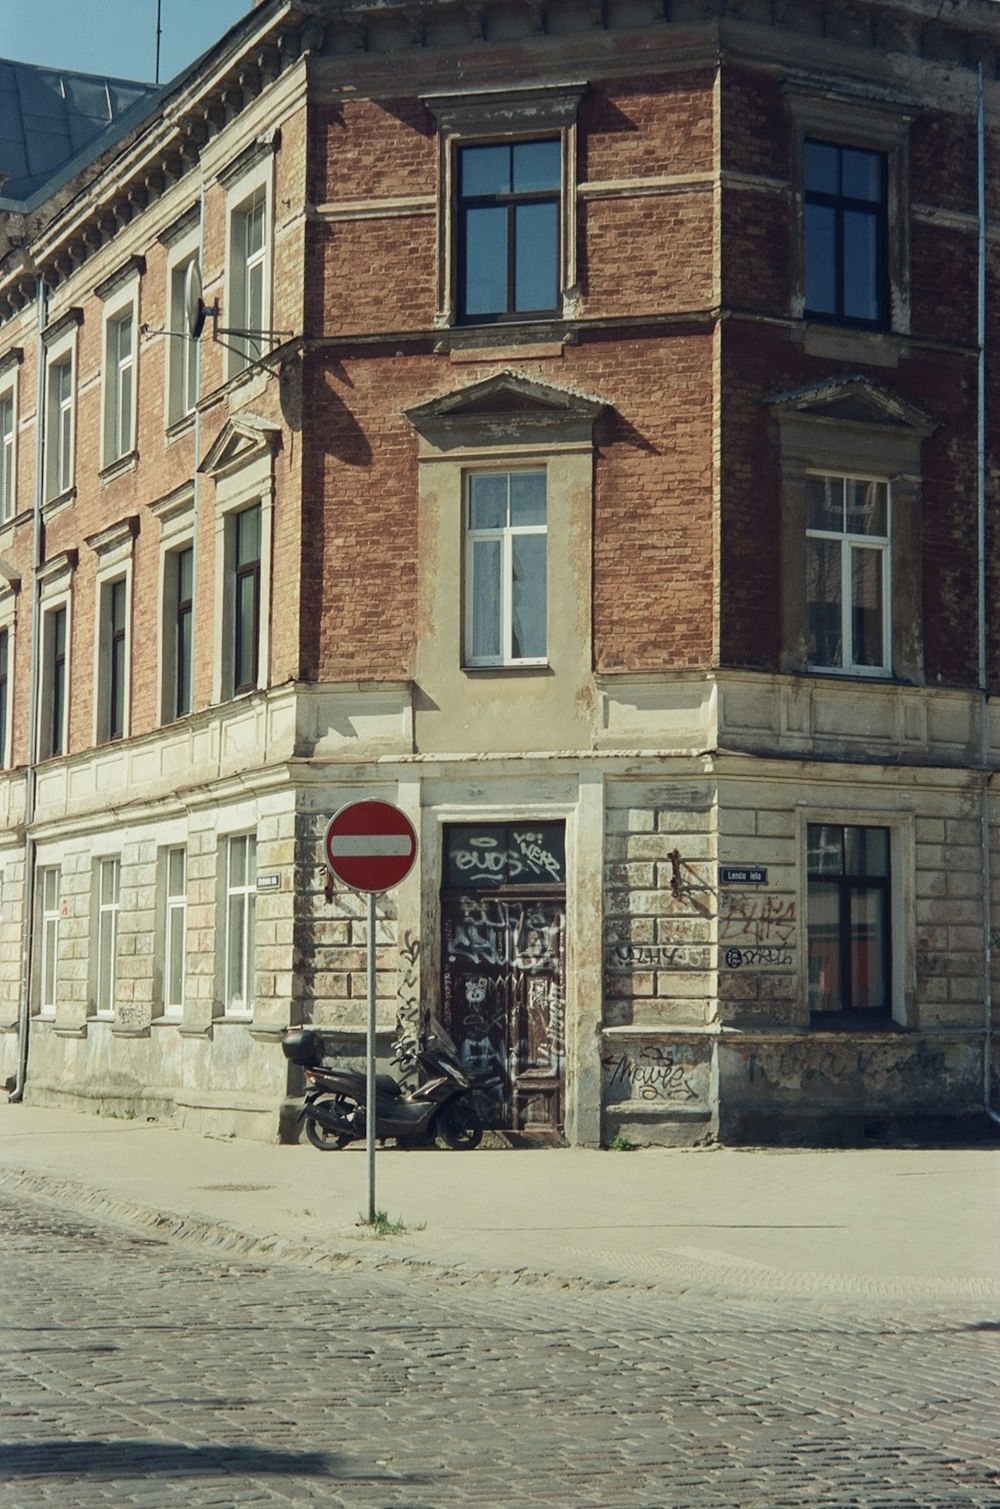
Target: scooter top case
[{"x": 302, "y": 1046}]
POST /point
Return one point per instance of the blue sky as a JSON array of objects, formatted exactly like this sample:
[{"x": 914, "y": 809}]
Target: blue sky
[{"x": 114, "y": 37}]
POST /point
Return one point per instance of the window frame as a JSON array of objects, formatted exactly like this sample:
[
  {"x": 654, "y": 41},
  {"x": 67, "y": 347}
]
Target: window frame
[
  {"x": 505, "y": 116},
  {"x": 60, "y": 423},
  {"x": 232, "y": 894},
  {"x": 843, "y": 120},
  {"x": 174, "y": 905},
  {"x": 849, "y": 543},
  {"x": 47, "y": 954},
  {"x": 107, "y": 917},
  {"x": 247, "y": 188},
  {"x": 6, "y": 690},
  {"x": 120, "y": 373},
  {"x": 511, "y": 202},
  {"x": 182, "y": 386},
  {"x": 114, "y": 548},
  {"x": 8, "y": 449},
  {"x": 53, "y": 703},
  {"x": 847, "y": 885},
  {"x": 506, "y": 536}
]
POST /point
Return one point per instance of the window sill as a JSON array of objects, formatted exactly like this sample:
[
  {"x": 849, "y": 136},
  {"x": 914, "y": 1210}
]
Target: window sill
[
  {"x": 163, "y": 1020},
  {"x": 518, "y": 668},
  {"x": 857, "y": 1021},
  {"x": 179, "y": 427},
  {"x": 119, "y": 467},
  {"x": 58, "y": 502},
  {"x": 852, "y": 673}
]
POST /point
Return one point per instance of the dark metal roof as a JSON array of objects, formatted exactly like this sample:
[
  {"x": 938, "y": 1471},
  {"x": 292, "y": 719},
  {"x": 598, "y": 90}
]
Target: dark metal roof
[{"x": 49, "y": 117}]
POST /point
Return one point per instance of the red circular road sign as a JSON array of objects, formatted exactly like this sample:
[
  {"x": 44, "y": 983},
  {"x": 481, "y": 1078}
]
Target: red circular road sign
[{"x": 370, "y": 846}]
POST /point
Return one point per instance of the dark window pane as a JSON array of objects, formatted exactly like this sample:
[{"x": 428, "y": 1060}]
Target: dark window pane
[
  {"x": 825, "y": 503},
  {"x": 825, "y": 849},
  {"x": 821, "y": 259},
  {"x": 488, "y": 500},
  {"x": 867, "y": 618},
  {"x": 824, "y": 945},
  {"x": 484, "y": 261},
  {"x": 867, "y": 508},
  {"x": 869, "y": 923},
  {"x": 486, "y": 600},
  {"x": 484, "y": 171},
  {"x": 527, "y": 498},
  {"x": 822, "y": 167},
  {"x": 823, "y": 596},
  {"x": 246, "y": 630},
  {"x": 248, "y": 536},
  {"x": 537, "y": 165},
  {"x": 862, "y": 174},
  {"x": 861, "y": 280},
  {"x": 536, "y": 259},
  {"x": 866, "y": 852}
]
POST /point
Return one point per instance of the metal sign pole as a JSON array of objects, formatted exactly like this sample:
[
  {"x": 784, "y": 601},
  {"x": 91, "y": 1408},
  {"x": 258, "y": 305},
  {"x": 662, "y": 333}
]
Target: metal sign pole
[{"x": 370, "y": 1091}]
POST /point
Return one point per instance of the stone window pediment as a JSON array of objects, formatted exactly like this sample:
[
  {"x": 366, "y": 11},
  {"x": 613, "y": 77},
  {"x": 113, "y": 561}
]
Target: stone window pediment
[
  {"x": 244, "y": 438},
  {"x": 506, "y": 409}
]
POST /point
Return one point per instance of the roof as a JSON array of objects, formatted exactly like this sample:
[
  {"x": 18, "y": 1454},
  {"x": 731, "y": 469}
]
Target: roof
[{"x": 50, "y": 118}]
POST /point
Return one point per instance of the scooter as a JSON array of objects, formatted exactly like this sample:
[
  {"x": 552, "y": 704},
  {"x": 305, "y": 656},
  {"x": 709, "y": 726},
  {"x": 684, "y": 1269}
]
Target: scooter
[{"x": 434, "y": 1110}]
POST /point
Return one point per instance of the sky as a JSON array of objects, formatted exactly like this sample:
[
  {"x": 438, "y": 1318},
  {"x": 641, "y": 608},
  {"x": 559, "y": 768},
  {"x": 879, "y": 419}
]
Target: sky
[{"x": 116, "y": 38}]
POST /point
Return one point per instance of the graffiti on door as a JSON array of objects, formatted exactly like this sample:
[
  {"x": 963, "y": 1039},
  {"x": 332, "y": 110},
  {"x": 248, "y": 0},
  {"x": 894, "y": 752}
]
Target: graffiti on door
[{"x": 503, "y": 1003}]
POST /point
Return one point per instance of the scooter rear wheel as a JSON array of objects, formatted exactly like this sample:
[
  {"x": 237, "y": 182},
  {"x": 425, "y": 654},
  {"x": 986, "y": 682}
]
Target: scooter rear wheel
[
  {"x": 322, "y": 1137},
  {"x": 457, "y": 1125}
]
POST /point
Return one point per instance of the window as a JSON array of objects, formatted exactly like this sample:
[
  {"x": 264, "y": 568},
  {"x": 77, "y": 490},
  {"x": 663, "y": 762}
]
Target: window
[
  {"x": 4, "y": 694},
  {"x": 59, "y": 426},
  {"x": 182, "y": 351},
  {"x": 248, "y": 278},
  {"x": 6, "y": 456},
  {"x": 111, "y": 696},
  {"x": 54, "y": 682},
  {"x": 847, "y": 573},
  {"x": 246, "y": 598},
  {"x": 108, "y": 880},
  {"x": 845, "y": 233},
  {"x": 506, "y": 568},
  {"x": 179, "y": 581},
  {"x": 119, "y": 387},
  {"x": 47, "y": 890},
  {"x": 508, "y": 229},
  {"x": 175, "y": 930},
  {"x": 241, "y": 893},
  {"x": 849, "y": 943}
]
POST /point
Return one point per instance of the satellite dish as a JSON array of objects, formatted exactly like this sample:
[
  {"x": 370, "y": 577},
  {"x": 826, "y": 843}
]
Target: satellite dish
[{"x": 195, "y": 309}]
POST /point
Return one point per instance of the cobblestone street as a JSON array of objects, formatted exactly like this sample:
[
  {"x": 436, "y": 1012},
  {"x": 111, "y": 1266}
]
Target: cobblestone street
[{"x": 142, "y": 1372}]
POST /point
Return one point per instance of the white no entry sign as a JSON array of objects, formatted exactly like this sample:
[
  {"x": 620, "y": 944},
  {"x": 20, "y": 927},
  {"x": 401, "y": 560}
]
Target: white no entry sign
[{"x": 370, "y": 846}]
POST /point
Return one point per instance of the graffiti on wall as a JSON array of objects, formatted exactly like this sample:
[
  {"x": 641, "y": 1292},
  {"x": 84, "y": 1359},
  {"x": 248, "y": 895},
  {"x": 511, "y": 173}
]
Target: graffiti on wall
[
  {"x": 518, "y": 934},
  {"x": 652, "y": 1072},
  {"x": 751, "y": 920},
  {"x": 624, "y": 956}
]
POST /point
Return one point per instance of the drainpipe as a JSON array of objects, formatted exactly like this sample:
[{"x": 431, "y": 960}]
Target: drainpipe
[
  {"x": 31, "y": 769},
  {"x": 984, "y": 730}
]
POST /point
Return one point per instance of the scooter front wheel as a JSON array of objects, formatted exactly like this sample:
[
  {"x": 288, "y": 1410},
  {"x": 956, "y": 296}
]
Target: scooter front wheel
[
  {"x": 457, "y": 1125},
  {"x": 323, "y": 1138}
]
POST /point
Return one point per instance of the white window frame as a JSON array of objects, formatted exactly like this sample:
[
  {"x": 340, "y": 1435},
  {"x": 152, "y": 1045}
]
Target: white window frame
[
  {"x": 175, "y": 513},
  {"x": 119, "y": 372},
  {"x": 174, "y": 930},
  {"x": 56, "y": 604},
  {"x": 183, "y": 374},
  {"x": 107, "y": 883},
  {"x": 878, "y": 545},
  {"x": 238, "y": 996},
  {"x": 8, "y": 451},
  {"x": 250, "y": 191},
  {"x": 506, "y": 536},
  {"x": 246, "y": 496},
  {"x": 60, "y": 419},
  {"x": 48, "y": 908}
]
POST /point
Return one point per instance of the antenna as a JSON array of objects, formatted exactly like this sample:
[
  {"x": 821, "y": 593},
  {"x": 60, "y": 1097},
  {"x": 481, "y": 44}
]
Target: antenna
[
  {"x": 159, "y": 34},
  {"x": 197, "y": 313}
]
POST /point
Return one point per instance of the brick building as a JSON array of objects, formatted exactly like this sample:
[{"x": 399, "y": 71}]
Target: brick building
[{"x": 585, "y": 448}]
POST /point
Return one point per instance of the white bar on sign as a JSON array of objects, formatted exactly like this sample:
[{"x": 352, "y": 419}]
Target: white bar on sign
[{"x": 344, "y": 844}]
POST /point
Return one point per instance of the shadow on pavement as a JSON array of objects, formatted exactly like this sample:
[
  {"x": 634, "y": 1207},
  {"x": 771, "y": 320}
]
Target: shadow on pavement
[{"x": 124, "y": 1459}]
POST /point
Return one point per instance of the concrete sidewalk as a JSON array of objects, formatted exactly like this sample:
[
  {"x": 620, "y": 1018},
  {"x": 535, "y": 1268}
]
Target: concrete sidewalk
[{"x": 878, "y": 1224}]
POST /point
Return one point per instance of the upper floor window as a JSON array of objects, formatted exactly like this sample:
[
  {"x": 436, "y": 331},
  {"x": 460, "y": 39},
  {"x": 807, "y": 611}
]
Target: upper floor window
[
  {"x": 112, "y": 662},
  {"x": 248, "y": 279},
  {"x": 179, "y": 622},
  {"x": 6, "y": 455},
  {"x": 506, "y": 569},
  {"x": 182, "y": 351},
  {"x": 59, "y": 427},
  {"x": 846, "y": 233},
  {"x": 4, "y": 694},
  {"x": 119, "y": 389},
  {"x": 508, "y": 229},
  {"x": 55, "y": 687},
  {"x": 849, "y": 911},
  {"x": 245, "y": 528},
  {"x": 847, "y": 573}
]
